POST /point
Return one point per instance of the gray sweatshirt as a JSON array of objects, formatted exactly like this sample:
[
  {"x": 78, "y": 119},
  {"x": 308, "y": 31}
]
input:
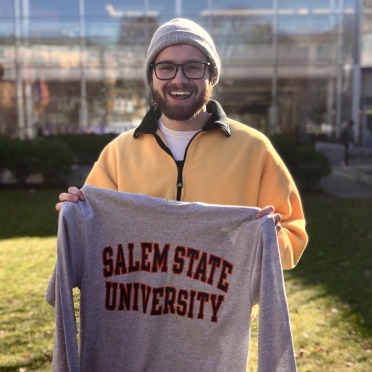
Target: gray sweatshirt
[{"x": 166, "y": 286}]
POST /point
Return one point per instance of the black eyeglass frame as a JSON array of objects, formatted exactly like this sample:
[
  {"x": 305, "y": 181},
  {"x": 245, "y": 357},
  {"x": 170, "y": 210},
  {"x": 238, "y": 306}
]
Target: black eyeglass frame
[{"x": 178, "y": 65}]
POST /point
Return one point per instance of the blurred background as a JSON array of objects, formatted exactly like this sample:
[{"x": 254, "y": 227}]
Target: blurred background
[
  {"x": 297, "y": 67},
  {"x": 72, "y": 78}
]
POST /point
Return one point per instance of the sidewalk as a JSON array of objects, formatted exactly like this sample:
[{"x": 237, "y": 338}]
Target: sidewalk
[{"x": 344, "y": 183}]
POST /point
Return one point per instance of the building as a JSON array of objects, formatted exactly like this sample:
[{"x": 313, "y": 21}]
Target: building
[{"x": 298, "y": 67}]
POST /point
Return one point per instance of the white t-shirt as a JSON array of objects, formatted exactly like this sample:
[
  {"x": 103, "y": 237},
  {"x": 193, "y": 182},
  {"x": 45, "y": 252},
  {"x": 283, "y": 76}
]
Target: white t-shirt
[{"x": 177, "y": 140}]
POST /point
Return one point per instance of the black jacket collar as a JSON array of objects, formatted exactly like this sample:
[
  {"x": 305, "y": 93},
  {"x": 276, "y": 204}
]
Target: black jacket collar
[{"x": 218, "y": 120}]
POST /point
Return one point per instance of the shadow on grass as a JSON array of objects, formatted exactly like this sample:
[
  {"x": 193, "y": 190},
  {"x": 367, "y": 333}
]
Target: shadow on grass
[
  {"x": 338, "y": 256},
  {"x": 28, "y": 212},
  {"x": 36, "y": 363}
]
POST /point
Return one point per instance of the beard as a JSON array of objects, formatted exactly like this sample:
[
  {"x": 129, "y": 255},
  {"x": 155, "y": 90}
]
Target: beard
[{"x": 182, "y": 112}]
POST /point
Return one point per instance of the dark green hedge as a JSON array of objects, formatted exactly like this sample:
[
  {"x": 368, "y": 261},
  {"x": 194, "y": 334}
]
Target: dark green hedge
[
  {"x": 85, "y": 147},
  {"x": 52, "y": 157},
  {"x": 306, "y": 165},
  {"x": 49, "y": 158}
]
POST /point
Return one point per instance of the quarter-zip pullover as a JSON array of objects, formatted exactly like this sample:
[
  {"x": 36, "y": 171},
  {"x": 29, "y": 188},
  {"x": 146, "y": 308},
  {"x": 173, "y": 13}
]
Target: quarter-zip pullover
[{"x": 225, "y": 163}]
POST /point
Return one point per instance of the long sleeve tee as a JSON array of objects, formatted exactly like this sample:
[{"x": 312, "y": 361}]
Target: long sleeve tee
[{"x": 166, "y": 286}]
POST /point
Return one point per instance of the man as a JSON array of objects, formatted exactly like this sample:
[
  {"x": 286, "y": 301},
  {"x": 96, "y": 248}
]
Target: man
[
  {"x": 347, "y": 138},
  {"x": 187, "y": 149}
]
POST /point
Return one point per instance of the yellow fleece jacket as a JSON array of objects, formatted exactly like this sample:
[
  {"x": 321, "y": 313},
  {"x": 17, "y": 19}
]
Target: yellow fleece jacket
[{"x": 225, "y": 163}]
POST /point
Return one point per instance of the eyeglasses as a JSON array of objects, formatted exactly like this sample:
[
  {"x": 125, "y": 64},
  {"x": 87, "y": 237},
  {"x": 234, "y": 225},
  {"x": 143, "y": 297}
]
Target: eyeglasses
[{"x": 191, "y": 70}]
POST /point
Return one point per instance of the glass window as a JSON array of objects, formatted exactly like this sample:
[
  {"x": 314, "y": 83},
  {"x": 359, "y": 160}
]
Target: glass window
[
  {"x": 242, "y": 21},
  {"x": 349, "y": 37},
  {"x": 50, "y": 22},
  {"x": 164, "y": 10},
  {"x": 114, "y": 8},
  {"x": 115, "y": 105},
  {"x": 102, "y": 32},
  {"x": 299, "y": 4},
  {"x": 223, "y": 4},
  {"x": 301, "y": 24},
  {"x": 7, "y": 59},
  {"x": 244, "y": 97},
  {"x": 123, "y": 60},
  {"x": 137, "y": 31},
  {"x": 194, "y": 9},
  {"x": 61, "y": 58},
  {"x": 242, "y": 30},
  {"x": 242, "y": 4},
  {"x": 52, "y": 33},
  {"x": 6, "y": 32},
  {"x": 7, "y": 9},
  {"x": 313, "y": 4},
  {"x": 125, "y": 22},
  {"x": 350, "y": 3},
  {"x": 367, "y": 51},
  {"x": 51, "y": 9},
  {"x": 305, "y": 100}
]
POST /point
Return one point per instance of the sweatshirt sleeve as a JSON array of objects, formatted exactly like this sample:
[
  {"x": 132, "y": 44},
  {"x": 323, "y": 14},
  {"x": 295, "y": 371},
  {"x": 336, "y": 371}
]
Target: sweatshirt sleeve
[
  {"x": 275, "y": 345},
  {"x": 59, "y": 293},
  {"x": 278, "y": 189},
  {"x": 104, "y": 172}
]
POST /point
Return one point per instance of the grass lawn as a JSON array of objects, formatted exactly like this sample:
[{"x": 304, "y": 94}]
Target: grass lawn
[{"x": 329, "y": 293}]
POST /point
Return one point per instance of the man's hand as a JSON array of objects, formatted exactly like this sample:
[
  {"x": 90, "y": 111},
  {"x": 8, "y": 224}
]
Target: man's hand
[
  {"x": 271, "y": 210},
  {"x": 73, "y": 195}
]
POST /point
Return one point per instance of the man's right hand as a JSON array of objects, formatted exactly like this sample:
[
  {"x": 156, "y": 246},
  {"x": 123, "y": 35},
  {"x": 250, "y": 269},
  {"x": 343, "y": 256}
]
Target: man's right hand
[{"x": 73, "y": 195}]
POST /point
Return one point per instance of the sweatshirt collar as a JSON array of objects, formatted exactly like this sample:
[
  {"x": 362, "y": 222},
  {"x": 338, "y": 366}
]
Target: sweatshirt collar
[{"x": 218, "y": 120}]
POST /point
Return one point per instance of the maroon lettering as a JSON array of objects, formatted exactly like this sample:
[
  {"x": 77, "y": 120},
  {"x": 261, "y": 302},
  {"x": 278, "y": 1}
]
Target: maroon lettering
[
  {"x": 124, "y": 299},
  {"x": 202, "y": 298},
  {"x": 216, "y": 301},
  {"x": 146, "y": 249},
  {"x": 135, "y": 300},
  {"x": 169, "y": 300},
  {"x": 215, "y": 262},
  {"x": 190, "y": 313},
  {"x": 120, "y": 266},
  {"x": 227, "y": 268},
  {"x": 179, "y": 261},
  {"x": 133, "y": 265},
  {"x": 182, "y": 302},
  {"x": 156, "y": 307},
  {"x": 110, "y": 302},
  {"x": 160, "y": 259},
  {"x": 192, "y": 254},
  {"x": 108, "y": 263},
  {"x": 146, "y": 291},
  {"x": 201, "y": 270}
]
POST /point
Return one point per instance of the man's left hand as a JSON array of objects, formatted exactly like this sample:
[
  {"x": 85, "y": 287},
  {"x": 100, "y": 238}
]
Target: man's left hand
[{"x": 270, "y": 210}]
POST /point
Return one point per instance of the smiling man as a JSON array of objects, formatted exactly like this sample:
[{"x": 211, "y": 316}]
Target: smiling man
[
  {"x": 182, "y": 97},
  {"x": 187, "y": 149}
]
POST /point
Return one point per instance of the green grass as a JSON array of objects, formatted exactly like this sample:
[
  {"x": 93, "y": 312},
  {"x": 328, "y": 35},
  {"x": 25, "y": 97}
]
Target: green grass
[
  {"x": 28, "y": 225},
  {"x": 26, "y": 332},
  {"x": 28, "y": 213},
  {"x": 329, "y": 293}
]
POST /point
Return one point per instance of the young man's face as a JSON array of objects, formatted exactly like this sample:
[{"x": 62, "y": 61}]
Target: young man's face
[{"x": 181, "y": 98}]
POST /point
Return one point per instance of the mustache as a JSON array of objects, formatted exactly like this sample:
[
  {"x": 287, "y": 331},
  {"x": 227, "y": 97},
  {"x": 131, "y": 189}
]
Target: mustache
[{"x": 172, "y": 86}]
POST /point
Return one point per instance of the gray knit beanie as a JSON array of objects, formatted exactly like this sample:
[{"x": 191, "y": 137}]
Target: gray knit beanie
[{"x": 183, "y": 31}]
